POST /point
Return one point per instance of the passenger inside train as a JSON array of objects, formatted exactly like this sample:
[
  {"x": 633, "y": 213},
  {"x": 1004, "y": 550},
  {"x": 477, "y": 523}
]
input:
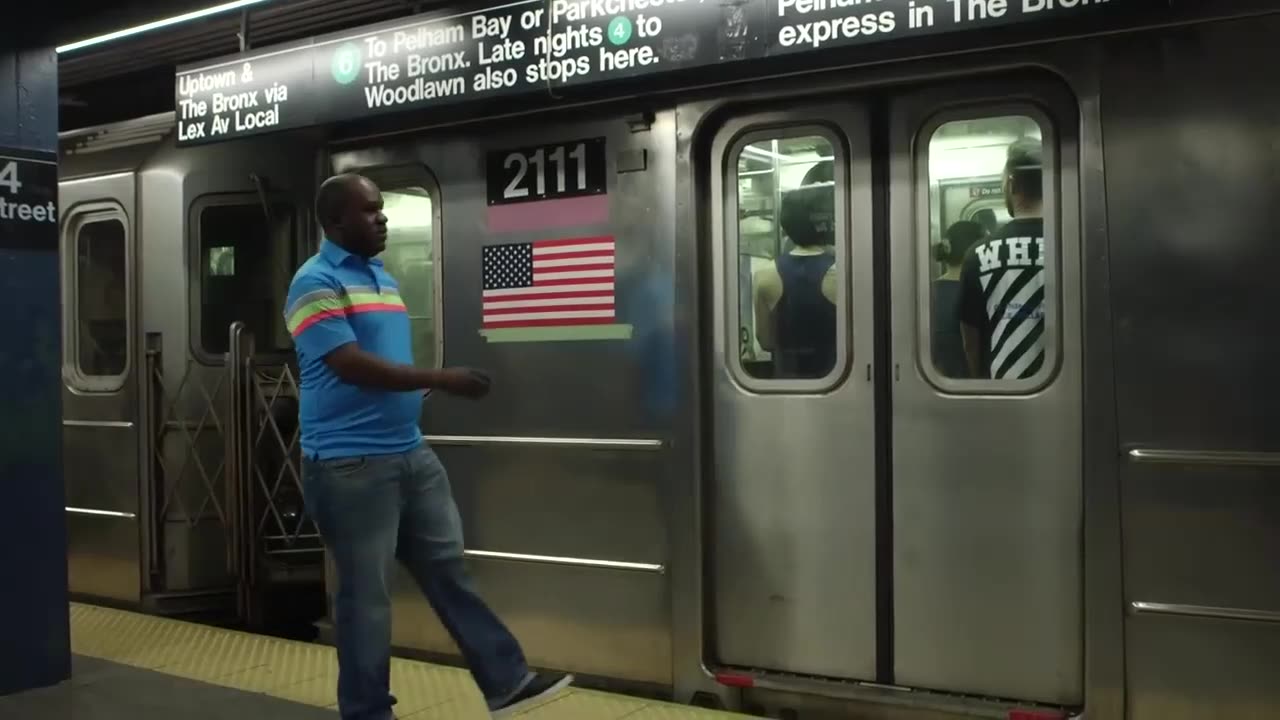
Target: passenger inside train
[
  {"x": 795, "y": 297},
  {"x": 948, "y": 346},
  {"x": 1002, "y": 283},
  {"x": 986, "y": 217}
]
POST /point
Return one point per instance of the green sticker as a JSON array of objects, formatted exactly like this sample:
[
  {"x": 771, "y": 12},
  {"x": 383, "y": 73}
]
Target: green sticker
[
  {"x": 619, "y": 30},
  {"x": 562, "y": 333},
  {"x": 346, "y": 64}
]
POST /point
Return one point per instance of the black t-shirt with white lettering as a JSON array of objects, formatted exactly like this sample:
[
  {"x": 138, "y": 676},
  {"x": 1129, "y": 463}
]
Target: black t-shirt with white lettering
[{"x": 1002, "y": 295}]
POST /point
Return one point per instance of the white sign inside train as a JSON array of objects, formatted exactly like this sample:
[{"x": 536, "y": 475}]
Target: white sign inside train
[{"x": 529, "y": 46}]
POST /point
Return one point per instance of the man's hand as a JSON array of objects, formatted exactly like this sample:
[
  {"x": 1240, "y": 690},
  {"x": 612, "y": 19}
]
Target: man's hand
[{"x": 466, "y": 382}]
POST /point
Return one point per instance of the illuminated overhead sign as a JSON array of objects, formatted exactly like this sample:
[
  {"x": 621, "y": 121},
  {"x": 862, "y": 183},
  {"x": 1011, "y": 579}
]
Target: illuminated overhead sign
[{"x": 534, "y": 45}]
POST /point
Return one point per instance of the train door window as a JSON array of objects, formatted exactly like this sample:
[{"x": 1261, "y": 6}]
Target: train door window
[
  {"x": 246, "y": 261},
  {"x": 790, "y": 262},
  {"x": 410, "y": 202},
  {"x": 988, "y": 311},
  {"x": 99, "y": 328}
]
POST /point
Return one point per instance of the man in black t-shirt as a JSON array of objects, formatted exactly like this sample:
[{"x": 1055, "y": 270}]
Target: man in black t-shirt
[{"x": 1002, "y": 281}]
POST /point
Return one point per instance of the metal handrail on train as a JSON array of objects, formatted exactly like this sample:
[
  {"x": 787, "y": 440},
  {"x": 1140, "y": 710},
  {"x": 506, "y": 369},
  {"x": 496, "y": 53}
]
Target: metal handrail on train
[
  {"x": 548, "y": 442},
  {"x": 236, "y": 562},
  {"x": 155, "y": 428}
]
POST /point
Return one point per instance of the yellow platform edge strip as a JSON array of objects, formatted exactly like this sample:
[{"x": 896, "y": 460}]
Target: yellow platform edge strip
[{"x": 307, "y": 673}]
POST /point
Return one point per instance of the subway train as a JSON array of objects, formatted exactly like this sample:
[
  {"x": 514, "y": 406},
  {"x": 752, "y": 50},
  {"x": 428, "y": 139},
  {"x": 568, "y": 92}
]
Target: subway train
[{"x": 653, "y": 498}]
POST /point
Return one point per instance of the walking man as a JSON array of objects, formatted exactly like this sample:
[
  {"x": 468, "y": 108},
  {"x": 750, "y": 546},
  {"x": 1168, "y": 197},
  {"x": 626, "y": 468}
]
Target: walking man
[{"x": 377, "y": 492}]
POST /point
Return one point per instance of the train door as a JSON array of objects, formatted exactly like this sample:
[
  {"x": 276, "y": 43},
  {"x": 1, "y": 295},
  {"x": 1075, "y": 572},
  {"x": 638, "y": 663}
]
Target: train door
[
  {"x": 987, "y": 465},
  {"x": 880, "y": 510},
  {"x": 248, "y": 246},
  {"x": 101, "y": 367},
  {"x": 794, "y": 500}
]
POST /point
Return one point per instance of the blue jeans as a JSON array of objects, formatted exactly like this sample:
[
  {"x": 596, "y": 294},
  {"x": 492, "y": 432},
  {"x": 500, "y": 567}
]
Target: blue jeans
[{"x": 371, "y": 510}]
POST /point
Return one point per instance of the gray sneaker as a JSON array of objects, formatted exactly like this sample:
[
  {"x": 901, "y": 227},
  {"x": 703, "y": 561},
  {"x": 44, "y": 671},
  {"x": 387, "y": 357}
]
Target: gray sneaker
[{"x": 540, "y": 689}]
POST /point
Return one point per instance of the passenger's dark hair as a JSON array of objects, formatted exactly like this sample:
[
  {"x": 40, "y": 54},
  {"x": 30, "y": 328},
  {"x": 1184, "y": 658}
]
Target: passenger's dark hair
[
  {"x": 986, "y": 217},
  {"x": 1026, "y": 169},
  {"x": 960, "y": 238},
  {"x": 807, "y": 215},
  {"x": 332, "y": 197},
  {"x": 824, "y": 171}
]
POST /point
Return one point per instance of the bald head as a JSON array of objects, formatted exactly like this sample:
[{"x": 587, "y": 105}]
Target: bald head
[
  {"x": 332, "y": 197},
  {"x": 349, "y": 208}
]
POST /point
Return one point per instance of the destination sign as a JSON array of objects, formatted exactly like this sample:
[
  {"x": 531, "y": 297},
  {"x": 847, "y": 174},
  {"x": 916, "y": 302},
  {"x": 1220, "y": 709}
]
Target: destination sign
[{"x": 530, "y": 46}]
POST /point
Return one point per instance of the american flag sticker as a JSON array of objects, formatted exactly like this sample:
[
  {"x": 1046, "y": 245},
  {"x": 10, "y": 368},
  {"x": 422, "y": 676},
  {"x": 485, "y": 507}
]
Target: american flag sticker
[{"x": 550, "y": 290}]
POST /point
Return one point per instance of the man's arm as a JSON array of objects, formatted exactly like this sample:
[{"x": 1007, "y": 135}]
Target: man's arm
[
  {"x": 357, "y": 367},
  {"x": 763, "y": 299},
  {"x": 318, "y": 322}
]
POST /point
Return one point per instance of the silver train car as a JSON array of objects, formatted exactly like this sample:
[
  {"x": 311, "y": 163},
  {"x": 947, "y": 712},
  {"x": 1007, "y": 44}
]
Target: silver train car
[{"x": 646, "y": 502}]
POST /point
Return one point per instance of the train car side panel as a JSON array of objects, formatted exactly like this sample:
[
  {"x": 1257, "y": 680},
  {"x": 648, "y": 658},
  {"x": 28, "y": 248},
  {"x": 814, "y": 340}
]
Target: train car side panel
[
  {"x": 1191, "y": 174},
  {"x": 577, "y": 424}
]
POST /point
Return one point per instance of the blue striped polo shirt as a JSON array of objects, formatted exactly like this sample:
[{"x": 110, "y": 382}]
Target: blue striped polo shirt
[{"x": 336, "y": 298}]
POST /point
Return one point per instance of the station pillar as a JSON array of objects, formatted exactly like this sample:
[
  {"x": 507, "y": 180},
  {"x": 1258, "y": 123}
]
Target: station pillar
[{"x": 34, "y": 625}]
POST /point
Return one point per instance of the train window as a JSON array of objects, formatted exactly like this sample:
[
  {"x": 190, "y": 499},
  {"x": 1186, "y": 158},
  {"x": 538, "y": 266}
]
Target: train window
[
  {"x": 790, "y": 267},
  {"x": 410, "y": 259},
  {"x": 246, "y": 262},
  {"x": 986, "y": 250},
  {"x": 222, "y": 261},
  {"x": 101, "y": 334}
]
